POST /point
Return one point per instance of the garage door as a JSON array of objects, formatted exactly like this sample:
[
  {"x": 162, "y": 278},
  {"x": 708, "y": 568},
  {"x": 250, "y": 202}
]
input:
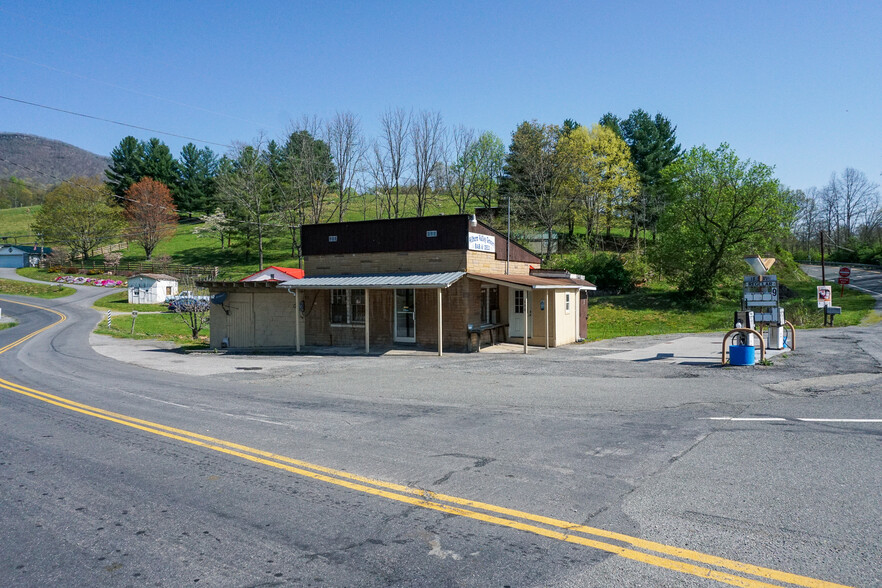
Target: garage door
[{"x": 11, "y": 261}]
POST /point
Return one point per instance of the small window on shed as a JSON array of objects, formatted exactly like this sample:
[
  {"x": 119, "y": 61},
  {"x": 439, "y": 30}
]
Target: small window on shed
[
  {"x": 332, "y": 238},
  {"x": 431, "y": 233},
  {"x": 567, "y": 306},
  {"x": 168, "y": 290}
]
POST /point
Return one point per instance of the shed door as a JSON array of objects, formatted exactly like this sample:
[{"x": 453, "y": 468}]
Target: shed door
[
  {"x": 240, "y": 323},
  {"x": 583, "y": 314}
]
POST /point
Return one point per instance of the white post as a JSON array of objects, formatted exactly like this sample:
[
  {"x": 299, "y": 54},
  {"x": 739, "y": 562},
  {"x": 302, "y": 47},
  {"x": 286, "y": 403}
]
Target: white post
[
  {"x": 547, "y": 311},
  {"x": 440, "y": 352},
  {"x": 526, "y": 312},
  {"x": 367, "y": 321},
  {"x": 297, "y": 320}
]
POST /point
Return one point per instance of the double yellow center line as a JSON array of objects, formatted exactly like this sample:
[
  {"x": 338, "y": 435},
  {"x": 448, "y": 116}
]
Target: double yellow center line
[{"x": 649, "y": 552}]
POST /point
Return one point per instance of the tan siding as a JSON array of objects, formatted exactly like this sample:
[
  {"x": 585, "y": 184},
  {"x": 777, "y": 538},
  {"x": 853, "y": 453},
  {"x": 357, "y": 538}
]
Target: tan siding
[
  {"x": 385, "y": 263},
  {"x": 481, "y": 262}
]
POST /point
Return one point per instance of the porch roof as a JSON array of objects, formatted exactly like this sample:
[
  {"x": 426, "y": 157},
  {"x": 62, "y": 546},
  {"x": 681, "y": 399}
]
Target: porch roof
[
  {"x": 376, "y": 281},
  {"x": 534, "y": 282}
]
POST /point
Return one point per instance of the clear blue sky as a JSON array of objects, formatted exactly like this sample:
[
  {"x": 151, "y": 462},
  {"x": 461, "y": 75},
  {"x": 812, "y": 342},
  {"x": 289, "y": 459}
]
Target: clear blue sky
[{"x": 791, "y": 84}]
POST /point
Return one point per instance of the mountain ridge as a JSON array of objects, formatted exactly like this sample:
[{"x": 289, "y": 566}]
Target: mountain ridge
[{"x": 45, "y": 162}]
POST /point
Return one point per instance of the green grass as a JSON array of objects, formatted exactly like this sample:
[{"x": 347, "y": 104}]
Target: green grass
[
  {"x": 163, "y": 327},
  {"x": 17, "y": 288},
  {"x": 7, "y": 325},
  {"x": 660, "y": 310},
  {"x": 119, "y": 302},
  {"x": 17, "y": 222}
]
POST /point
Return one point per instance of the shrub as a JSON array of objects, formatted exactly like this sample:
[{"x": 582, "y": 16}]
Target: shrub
[
  {"x": 72, "y": 270},
  {"x": 607, "y": 271}
]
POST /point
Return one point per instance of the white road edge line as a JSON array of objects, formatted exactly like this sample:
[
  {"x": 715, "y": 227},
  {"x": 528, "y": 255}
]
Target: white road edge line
[{"x": 778, "y": 419}]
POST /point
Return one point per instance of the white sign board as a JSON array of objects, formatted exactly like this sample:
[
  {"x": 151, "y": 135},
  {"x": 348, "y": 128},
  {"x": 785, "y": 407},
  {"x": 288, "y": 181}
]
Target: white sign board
[
  {"x": 825, "y": 296},
  {"x": 479, "y": 242}
]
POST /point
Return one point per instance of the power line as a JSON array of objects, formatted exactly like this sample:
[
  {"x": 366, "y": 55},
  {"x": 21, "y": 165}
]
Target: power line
[
  {"x": 126, "y": 198},
  {"x": 123, "y": 88},
  {"x": 116, "y": 122}
]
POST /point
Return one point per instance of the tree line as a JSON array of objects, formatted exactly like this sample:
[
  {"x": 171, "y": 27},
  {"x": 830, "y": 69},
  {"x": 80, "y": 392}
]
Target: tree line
[{"x": 690, "y": 214}]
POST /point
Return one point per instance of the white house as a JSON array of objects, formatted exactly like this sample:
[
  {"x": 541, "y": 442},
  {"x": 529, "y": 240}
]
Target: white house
[
  {"x": 151, "y": 288},
  {"x": 275, "y": 274}
]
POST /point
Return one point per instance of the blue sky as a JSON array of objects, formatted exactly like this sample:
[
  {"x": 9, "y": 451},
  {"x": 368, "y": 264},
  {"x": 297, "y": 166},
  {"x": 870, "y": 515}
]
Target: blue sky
[{"x": 791, "y": 84}]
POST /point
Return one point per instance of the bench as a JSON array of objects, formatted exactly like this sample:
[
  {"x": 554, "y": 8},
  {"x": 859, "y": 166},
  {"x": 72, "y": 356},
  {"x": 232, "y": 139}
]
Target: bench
[{"x": 495, "y": 331}]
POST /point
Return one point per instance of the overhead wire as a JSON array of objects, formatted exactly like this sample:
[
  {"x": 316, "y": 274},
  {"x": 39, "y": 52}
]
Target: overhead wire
[
  {"x": 126, "y": 198},
  {"x": 116, "y": 122},
  {"x": 130, "y": 90}
]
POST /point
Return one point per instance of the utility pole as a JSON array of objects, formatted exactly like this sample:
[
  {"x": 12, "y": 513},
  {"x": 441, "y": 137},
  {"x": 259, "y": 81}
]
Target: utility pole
[{"x": 823, "y": 276}]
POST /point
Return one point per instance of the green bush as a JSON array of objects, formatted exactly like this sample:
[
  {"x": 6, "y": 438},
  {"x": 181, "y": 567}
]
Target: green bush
[{"x": 607, "y": 271}]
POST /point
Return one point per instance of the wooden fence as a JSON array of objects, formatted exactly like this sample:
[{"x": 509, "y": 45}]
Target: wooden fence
[{"x": 147, "y": 267}]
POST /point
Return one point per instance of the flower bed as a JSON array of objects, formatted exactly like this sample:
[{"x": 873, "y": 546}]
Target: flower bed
[{"x": 83, "y": 280}]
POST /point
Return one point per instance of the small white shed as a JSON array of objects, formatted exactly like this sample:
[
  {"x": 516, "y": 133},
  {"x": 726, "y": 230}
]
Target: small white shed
[{"x": 151, "y": 288}]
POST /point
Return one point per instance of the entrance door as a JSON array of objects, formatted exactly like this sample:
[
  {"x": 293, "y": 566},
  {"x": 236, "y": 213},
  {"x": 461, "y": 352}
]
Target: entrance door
[
  {"x": 519, "y": 307},
  {"x": 405, "y": 326}
]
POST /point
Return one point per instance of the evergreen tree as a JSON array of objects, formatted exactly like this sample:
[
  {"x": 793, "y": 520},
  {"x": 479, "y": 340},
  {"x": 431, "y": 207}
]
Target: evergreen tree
[
  {"x": 195, "y": 189},
  {"x": 159, "y": 164},
  {"x": 126, "y": 166}
]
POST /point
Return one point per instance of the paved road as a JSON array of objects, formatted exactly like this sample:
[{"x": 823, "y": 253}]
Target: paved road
[
  {"x": 869, "y": 281},
  {"x": 588, "y": 472}
]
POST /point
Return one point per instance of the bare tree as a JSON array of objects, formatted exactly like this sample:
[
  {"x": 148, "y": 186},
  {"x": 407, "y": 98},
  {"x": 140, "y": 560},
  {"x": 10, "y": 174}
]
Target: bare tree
[
  {"x": 388, "y": 162},
  {"x": 345, "y": 139},
  {"x": 856, "y": 196},
  {"x": 245, "y": 187},
  {"x": 427, "y": 137},
  {"x": 458, "y": 173}
]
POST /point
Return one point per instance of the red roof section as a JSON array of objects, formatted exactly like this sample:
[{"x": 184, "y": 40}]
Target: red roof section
[{"x": 290, "y": 272}]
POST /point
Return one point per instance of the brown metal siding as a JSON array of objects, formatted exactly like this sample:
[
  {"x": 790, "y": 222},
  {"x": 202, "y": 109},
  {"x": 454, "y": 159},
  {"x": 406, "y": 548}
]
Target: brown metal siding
[{"x": 383, "y": 236}]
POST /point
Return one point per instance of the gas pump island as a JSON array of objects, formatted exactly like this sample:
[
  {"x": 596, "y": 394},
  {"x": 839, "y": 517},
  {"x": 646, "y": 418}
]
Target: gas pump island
[{"x": 760, "y": 309}]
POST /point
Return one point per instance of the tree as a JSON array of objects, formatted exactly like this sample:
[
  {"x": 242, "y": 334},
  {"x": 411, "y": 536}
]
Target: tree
[
  {"x": 653, "y": 145},
  {"x": 81, "y": 215},
  {"x": 216, "y": 225},
  {"x": 244, "y": 188},
  {"x": 723, "y": 208},
  {"x": 535, "y": 177},
  {"x": 389, "y": 161},
  {"x": 126, "y": 165},
  {"x": 486, "y": 158},
  {"x": 195, "y": 188},
  {"x": 195, "y": 312},
  {"x": 427, "y": 135},
  {"x": 601, "y": 180},
  {"x": 852, "y": 199},
  {"x": 15, "y": 193},
  {"x": 150, "y": 213},
  {"x": 347, "y": 149},
  {"x": 159, "y": 164},
  {"x": 457, "y": 177}
]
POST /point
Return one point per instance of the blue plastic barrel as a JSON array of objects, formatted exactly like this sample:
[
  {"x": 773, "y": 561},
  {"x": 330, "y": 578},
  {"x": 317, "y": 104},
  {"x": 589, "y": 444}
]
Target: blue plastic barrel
[{"x": 742, "y": 355}]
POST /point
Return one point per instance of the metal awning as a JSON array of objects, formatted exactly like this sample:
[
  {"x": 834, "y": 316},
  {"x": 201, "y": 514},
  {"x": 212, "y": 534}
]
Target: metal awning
[
  {"x": 376, "y": 281},
  {"x": 534, "y": 282}
]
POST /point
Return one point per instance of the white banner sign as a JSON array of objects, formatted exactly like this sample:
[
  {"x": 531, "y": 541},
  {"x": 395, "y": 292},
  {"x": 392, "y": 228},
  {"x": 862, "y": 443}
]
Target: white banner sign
[
  {"x": 825, "y": 296},
  {"x": 479, "y": 242}
]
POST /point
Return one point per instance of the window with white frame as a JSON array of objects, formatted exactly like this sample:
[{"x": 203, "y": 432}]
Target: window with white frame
[
  {"x": 567, "y": 305},
  {"x": 347, "y": 306}
]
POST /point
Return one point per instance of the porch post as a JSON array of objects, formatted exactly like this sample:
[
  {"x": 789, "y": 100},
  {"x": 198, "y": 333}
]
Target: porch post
[
  {"x": 440, "y": 352},
  {"x": 297, "y": 320},
  {"x": 367, "y": 321},
  {"x": 526, "y": 312},
  {"x": 547, "y": 311}
]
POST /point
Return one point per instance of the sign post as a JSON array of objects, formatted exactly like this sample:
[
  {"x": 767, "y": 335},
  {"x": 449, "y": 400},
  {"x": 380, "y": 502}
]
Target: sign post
[
  {"x": 844, "y": 272},
  {"x": 108, "y": 319}
]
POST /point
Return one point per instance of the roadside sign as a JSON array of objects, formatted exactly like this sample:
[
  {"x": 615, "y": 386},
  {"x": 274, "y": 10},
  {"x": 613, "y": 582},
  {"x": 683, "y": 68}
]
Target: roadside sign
[
  {"x": 844, "y": 272},
  {"x": 134, "y": 313},
  {"x": 825, "y": 296},
  {"x": 844, "y": 280}
]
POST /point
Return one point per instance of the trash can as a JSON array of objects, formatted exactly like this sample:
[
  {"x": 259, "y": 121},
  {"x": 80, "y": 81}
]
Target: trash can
[{"x": 742, "y": 355}]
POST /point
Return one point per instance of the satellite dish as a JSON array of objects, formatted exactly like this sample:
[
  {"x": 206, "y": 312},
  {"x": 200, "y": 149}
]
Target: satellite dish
[{"x": 219, "y": 298}]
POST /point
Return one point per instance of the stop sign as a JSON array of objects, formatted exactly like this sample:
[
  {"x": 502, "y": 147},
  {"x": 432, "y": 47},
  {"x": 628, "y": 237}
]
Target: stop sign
[{"x": 844, "y": 272}]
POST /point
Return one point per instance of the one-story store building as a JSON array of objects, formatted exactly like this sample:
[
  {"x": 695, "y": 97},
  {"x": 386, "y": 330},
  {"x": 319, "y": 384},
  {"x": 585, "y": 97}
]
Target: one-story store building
[{"x": 442, "y": 283}]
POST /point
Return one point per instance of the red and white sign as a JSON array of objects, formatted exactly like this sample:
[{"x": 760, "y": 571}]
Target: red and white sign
[
  {"x": 845, "y": 272},
  {"x": 844, "y": 281}
]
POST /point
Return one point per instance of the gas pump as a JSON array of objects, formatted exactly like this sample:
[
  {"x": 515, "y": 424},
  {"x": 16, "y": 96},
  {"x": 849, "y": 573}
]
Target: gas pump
[
  {"x": 761, "y": 296},
  {"x": 744, "y": 319}
]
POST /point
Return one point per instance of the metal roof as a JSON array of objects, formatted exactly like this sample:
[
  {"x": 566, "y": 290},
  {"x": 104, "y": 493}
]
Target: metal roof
[
  {"x": 376, "y": 281},
  {"x": 534, "y": 282}
]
